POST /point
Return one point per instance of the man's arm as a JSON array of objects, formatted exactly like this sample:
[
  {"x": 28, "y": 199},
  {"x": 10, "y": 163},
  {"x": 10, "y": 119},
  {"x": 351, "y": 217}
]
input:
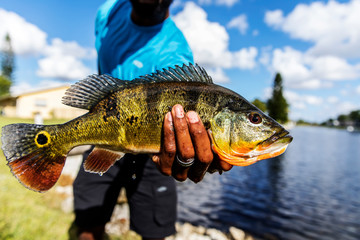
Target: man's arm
[{"x": 186, "y": 138}]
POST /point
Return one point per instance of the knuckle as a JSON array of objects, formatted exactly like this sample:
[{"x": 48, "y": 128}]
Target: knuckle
[
  {"x": 170, "y": 148},
  {"x": 181, "y": 128},
  {"x": 171, "y": 154},
  {"x": 198, "y": 132},
  {"x": 187, "y": 154}
]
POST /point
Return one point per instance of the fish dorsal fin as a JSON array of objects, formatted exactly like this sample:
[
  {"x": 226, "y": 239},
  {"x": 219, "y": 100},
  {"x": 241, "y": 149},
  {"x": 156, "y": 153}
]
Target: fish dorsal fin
[
  {"x": 90, "y": 91},
  {"x": 186, "y": 73}
]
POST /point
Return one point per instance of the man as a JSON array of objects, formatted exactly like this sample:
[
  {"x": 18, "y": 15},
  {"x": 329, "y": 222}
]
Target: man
[{"x": 133, "y": 39}]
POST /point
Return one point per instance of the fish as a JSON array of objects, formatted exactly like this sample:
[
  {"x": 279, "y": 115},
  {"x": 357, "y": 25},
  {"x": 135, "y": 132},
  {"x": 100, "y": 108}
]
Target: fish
[{"x": 127, "y": 117}]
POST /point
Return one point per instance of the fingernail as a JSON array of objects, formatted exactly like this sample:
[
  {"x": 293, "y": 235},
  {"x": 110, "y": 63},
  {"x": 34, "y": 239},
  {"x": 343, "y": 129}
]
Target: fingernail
[
  {"x": 193, "y": 117},
  {"x": 179, "y": 112}
]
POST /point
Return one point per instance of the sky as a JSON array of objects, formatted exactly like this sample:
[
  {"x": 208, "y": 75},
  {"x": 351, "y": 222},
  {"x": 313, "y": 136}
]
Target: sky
[{"x": 314, "y": 45}]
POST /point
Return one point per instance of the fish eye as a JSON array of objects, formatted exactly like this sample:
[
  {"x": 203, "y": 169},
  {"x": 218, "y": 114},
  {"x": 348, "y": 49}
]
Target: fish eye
[{"x": 255, "y": 118}]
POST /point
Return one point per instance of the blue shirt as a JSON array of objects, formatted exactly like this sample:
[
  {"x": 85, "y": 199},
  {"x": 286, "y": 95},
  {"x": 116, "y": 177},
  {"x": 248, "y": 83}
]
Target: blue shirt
[{"x": 126, "y": 50}]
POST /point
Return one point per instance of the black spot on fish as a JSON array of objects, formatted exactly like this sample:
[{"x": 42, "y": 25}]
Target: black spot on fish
[
  {"x": 105, "y": 118},
  {"x": 111, "y": 107},
  {"x": 42, "y": 139},
  {"x": 131, "y": 120},
  {"x": 76, "y": 124}
]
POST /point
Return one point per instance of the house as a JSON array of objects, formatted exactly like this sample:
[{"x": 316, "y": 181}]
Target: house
[{"x": 45, "y": 103}]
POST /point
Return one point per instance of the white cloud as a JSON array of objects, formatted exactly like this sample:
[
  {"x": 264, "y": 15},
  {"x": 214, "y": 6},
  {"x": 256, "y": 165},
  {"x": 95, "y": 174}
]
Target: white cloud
[
  {"x": 218, "y": 75},
  {"x": 313, "y": 100},
  {"x": 60, "y": 59},
  {"x": 72, "y": 48},
  {"x": 244, "y": 58},
  {"x": 274, "y": 18},
  {"x": 64, "y": 67},
  {"x": 291, "y": 64},
  {"x": 332, "y": 26},
  {"x": 26, "y": 38},
  {"x": 302, "y": 100},
  {"x": 304, "y": 71},
  {"x": 315, "y": 108},
  {"x": 240, "y": 23},
  {"x": 63, "y": 60},
  {"x": 210, "y": 41},
  {"x": 334, "y": 68}
]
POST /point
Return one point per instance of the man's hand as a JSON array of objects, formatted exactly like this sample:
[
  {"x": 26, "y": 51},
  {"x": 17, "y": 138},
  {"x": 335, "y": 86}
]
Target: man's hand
[{"x": 185, "y": 139}]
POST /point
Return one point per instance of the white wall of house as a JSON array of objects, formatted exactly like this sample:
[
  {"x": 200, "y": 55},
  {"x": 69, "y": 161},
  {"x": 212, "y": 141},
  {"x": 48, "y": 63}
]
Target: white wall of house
[{"x": 47, "y": 103}]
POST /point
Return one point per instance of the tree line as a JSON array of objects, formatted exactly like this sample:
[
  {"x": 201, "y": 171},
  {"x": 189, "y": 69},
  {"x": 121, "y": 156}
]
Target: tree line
[
  {"x": 345, "y": 120},
  {"x": 7, "y": 67}
]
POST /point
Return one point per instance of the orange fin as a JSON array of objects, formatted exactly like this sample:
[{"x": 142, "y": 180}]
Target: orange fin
[
  {"x": 100, "y": 160},
  {"x": 37, "y": 171}
]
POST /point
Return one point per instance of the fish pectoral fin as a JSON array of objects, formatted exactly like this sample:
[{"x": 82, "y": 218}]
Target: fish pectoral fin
[{"x": 100, "y": 160}]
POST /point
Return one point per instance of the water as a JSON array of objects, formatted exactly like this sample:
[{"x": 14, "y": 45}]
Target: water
[{"x": 310, "y": 192}]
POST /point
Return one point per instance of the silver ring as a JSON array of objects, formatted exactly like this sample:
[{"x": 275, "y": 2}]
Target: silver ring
[{"x": 186, "y": 163}]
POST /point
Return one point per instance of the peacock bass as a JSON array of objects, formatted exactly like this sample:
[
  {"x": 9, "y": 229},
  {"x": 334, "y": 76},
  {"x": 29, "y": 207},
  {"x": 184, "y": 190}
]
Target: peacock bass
[{"x": 127, "y": 116}]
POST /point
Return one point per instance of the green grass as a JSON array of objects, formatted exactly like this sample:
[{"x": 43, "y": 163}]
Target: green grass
[{"x": 25, "y": 214}]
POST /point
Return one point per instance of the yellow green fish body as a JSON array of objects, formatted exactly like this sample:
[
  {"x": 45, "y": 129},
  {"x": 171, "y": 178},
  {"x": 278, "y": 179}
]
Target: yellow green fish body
[{"x": 127, "y": 116}]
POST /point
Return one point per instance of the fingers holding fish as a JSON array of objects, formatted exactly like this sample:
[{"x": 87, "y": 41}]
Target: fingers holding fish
[
  {"x": 202, "y": 147},
  {"x": 184, "y": 145},
  {"x": 186, "y": 149},
  {"x": 165, "y": 159}
]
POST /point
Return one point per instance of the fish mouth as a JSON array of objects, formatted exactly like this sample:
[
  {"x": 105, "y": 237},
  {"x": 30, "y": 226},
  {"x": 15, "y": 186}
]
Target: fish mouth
[
  {"x": 282, "y": 136},
  {"x": 272, "y": 147}
]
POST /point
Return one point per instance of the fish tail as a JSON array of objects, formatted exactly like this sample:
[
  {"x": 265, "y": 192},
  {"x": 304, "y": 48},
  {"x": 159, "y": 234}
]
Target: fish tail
[{"x": 29, "y": 151}]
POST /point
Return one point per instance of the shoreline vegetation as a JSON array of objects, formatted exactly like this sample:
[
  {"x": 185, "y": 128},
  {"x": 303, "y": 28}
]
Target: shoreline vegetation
[{"x": 25, "y": 214}]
